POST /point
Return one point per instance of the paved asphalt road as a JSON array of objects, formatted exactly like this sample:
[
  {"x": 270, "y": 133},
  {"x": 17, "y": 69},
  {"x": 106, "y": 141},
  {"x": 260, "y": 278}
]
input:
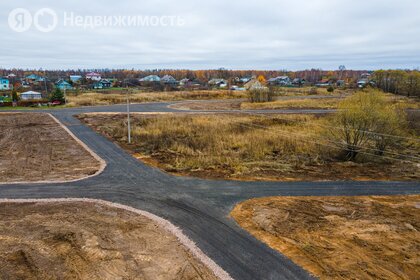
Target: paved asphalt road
[{"x": 199, "y": 207}]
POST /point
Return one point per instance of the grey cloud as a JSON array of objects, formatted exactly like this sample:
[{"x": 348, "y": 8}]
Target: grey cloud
[{"x": 265, "y": 34}]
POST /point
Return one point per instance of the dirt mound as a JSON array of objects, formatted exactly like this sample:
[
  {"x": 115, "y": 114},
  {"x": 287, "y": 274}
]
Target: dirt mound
[
  {"x": 33, "y": 147},
  {"x": 340, "y": 237},
  {"x": 89, "y": 241}
]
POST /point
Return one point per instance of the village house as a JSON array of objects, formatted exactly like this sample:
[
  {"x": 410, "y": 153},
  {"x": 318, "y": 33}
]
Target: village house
[
  {"x": 113, "y": 81},
  {"x": 280, "y": 81},
  {"x": 221, "y": 83},
  {"x": 245, "y": 80},
  {"x": 254, "y": 84},
  {"x": 325, "y": 83},
  {"x": 30, "y": 95},
  {"x": 168, "y": 80},
  {"x": 24, "y": 83},
  {"x": 189, "y": 83},
  {"x": 75, "y": 78},
  {"x": 63, "y": 85},
  {"x": 242, "y": 80},
  {"x": 298, "y": 82},
  {"x": 365, "y": 76},
  {"x": 4, "y": 84},
  {"x": 93, "y": 76},
  {"x": 364, "y": 80},
  {"x": 362, "y": 83},
  {"x": 184, "y": 82},
  {"x": 102, "y": 84},
  {"x": 150, "y": 79},
  {"x": 33, "y": 78}
]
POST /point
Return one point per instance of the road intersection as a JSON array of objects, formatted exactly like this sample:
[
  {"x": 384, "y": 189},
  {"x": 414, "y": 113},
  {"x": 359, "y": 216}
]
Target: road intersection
[{"x": 199, "y": 207}]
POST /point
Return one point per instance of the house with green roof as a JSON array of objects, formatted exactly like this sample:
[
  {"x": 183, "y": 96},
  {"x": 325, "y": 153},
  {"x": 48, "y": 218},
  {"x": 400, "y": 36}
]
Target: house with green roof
[
  {"x": 33, "y": 78},
  {"x": 104, "y": 83},
  {"x": 63, "y": 85}
]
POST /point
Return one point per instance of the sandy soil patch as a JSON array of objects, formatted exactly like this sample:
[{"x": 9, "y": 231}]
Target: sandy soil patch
[
  {"x": 81, "y": 240},
  {"x": 340, "y": 237},
  {"x": 34, "y": 147}
]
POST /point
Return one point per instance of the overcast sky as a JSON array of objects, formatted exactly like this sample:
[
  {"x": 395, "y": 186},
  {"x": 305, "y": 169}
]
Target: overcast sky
[{"x": 263, "y": 34}]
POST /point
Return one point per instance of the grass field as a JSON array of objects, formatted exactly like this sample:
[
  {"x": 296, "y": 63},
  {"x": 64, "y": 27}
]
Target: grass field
[
  {"x": 244, "y": 147},
  {"x": 323, "y": 103},
  {"x": 340, "y": 237},
  {"x": 119, "y": 96},
  {"x": 307, "y": 90},
  {"x": 93, "y": 99},
  {"x": 327, "y": 103}
]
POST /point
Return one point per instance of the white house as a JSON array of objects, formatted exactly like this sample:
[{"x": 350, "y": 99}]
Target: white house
[
  {"x": 30, "y": 95},
  {"x": 93, "y": 76},
  {"x": 151, "y": 79},
  {"x": 280, "y": 81}
]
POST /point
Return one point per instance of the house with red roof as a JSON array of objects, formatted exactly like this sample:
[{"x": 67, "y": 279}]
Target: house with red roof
[{"x": 93, "y": 76}]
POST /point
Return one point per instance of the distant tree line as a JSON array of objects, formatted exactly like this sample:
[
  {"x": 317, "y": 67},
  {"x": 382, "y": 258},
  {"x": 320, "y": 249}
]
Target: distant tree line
[
  {"x": 310, "y": 75},
  {"x": 398, "y": 82}
]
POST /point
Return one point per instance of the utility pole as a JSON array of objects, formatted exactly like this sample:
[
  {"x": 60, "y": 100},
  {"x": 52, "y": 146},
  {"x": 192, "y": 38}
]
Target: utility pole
[
  {"x": 65, "y": 96},
  {"x": 45, "y": 83},
  {"x": 128, "y": 114}
]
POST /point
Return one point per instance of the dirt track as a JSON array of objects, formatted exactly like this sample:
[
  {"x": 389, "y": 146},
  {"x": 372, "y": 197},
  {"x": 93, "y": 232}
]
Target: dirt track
[
  {"x": 340, "y": 237},
  {"x": 33, "y": 147},
  {"x": 89, "y": 241}
]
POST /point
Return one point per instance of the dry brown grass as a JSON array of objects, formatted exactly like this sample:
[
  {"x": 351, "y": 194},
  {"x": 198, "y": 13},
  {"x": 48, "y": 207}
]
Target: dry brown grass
[
  {"x": 243, "y": 147},
  {"x": 324, "y": 103},
  {"x": 340, "y": 237},
  {"x": 95, "y": 99},
  {"x": 327, "y": 103},
  {"x": 286, "y": 91}
]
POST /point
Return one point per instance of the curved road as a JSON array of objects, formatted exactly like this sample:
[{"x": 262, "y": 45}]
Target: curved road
[{"x": 199, "y": 207}]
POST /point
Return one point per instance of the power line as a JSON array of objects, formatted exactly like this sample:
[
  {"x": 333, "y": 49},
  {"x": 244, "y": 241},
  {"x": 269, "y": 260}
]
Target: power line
[
  {"x": 357, "y": 147},
  {"x": 327, "y": 126},
  {"x": 334, "y": 147},
  {"x": 339, "y": 145}
]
